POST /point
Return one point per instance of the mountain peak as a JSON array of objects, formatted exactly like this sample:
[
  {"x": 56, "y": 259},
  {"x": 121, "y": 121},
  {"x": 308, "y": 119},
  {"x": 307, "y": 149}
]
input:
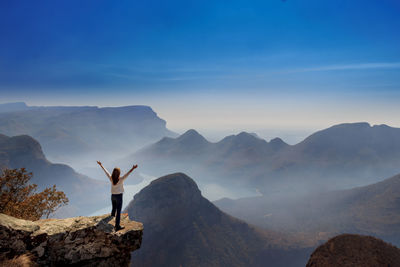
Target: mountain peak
[
  {"x": 277, "y": 143},
  {"x": 178, "y": 179},
  {"x": 170, "y": 198},
  {"x": 192, "y": 136},
  {"x": 171, "y": 186},
  {"x": 277, "y": 140},
  {"x": 185, "y": 229},
  {"x": 348, "y": 141},
  {"x": 247, "y": 135},
  {"x": 353, "y": 133},
  {"x": 191, "y": 132},
  {"x": 243, "y": 139}
]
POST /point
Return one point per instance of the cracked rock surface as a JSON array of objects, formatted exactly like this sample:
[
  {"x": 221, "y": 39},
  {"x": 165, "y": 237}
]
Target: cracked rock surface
[{"x": 80, "y": 241}]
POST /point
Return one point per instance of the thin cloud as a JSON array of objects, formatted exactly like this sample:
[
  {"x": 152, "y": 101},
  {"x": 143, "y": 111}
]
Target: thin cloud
[
  {"x": 360, "y": 66},
  {"x": 227, "y": 72}
]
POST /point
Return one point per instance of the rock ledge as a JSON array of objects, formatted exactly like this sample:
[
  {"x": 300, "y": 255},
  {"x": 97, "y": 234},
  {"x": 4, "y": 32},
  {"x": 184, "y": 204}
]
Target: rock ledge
[{"x": 83, "y": 241}]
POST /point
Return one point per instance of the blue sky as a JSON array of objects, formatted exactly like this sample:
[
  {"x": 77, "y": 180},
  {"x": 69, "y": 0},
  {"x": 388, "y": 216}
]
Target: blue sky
[{"x": 212, "y": 65}]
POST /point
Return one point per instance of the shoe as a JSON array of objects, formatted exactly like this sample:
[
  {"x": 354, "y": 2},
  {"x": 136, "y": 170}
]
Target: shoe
[{"x": 117, "y": 228}]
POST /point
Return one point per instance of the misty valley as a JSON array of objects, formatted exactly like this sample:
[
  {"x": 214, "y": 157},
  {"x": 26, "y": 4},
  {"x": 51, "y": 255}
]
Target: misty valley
[
  {"x": 240, "y": 201},
  {"x": 200, "y": 133}
]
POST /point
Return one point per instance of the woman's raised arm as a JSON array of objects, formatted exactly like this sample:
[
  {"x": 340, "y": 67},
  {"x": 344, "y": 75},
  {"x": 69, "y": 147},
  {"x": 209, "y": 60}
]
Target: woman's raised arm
[
  {"x": 105, "y": 171},
  {"x": 129, "y": 172}
]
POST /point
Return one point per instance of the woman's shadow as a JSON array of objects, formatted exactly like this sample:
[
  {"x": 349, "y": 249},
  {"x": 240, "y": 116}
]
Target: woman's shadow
[{"x": 105, "y": 224}]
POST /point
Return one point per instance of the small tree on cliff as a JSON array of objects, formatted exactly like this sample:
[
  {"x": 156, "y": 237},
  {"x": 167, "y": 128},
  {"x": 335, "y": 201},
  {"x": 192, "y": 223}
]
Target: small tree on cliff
[{"x": 20, "y": 199}]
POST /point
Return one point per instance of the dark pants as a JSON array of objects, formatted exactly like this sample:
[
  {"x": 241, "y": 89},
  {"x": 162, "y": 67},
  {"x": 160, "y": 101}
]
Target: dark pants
[{"x": 116, "y": 201}]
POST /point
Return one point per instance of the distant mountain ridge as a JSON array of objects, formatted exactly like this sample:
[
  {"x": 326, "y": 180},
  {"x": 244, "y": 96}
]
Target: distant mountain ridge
[
  {"x": 369, "y": 210},
  {"x": 351, "y": 141},
  {"x": 78, "y": 134},
  {"x": 11, "y": 107},
  {"x": 342, "y": 156},
  {"x": 85, "y": 194},
  {"x": 193, "y": 153},
  {"x": 184, "y": 229}
]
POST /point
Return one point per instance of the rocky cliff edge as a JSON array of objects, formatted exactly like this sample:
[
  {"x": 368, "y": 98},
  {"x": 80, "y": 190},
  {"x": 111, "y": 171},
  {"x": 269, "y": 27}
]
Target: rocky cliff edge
[{"x": 80, "y": 241}]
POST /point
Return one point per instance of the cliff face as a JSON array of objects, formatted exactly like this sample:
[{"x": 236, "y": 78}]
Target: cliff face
[
  {"x": 80, "y": 241},
  {"x": 85, "y": 130}
]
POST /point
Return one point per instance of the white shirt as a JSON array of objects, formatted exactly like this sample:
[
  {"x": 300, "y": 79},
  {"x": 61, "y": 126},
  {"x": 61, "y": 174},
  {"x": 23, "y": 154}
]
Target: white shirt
[{"x": 119, "y": 187}]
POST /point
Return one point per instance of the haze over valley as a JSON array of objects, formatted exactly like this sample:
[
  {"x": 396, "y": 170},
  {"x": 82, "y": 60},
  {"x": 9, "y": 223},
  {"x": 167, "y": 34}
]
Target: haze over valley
[
  {"x": 255, "y": 133},
  {"x": 297, "y": 196}
]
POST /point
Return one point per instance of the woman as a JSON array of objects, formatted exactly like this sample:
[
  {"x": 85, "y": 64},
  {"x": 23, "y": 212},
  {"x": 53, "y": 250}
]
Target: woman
[{"x": 117, "y": 189}]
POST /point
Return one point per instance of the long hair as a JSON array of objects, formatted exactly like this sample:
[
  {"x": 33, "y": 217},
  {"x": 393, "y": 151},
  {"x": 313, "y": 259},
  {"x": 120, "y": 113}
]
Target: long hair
[{"x": 115, "y": 175}]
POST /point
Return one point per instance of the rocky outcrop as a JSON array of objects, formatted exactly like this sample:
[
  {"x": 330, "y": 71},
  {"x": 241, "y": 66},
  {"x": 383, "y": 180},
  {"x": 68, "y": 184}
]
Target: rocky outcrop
[
  {"x": 80, "y": 241},
  {"x": 355, "y": 250},
  {"x": 185, "y": 229}
]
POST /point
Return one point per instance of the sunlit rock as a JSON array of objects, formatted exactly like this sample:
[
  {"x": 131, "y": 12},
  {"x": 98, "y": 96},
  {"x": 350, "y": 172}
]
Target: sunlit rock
[{"x": 84, "y": 241}]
